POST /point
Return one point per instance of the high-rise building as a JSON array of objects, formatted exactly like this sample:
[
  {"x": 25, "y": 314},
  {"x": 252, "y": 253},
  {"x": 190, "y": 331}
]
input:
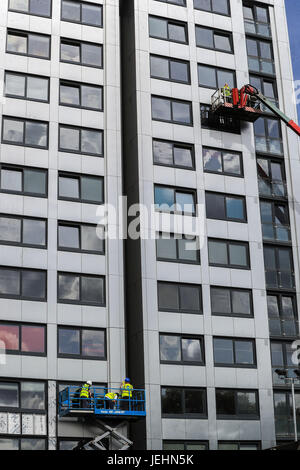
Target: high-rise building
[{"x": 104, "y": 99}]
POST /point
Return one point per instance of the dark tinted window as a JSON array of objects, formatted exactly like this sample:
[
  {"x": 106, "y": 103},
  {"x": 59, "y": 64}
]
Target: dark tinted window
[
  {"x": 81, "y": 343},
  {"x": 225, "y": 207},
  {"x": 228, "y": 253},
  {"x": 229, "y": 301},
  {"x": 29, "y": 87},
  {"x": 181, "y": 349},
  {"x": 23, "y": 231},
  {"x": 170, "y": 69},
  {"x": 214, "y": 39},
  {"x": 222, "y": 161},
  {"x": 81, "y": 53},
  {"x": 30, "y": 44},
  {"x": 80, "y": 140},
  {"x": 80, "y": 237},
  {"x": 213, "y": 77},
  {"x": 181, "y": 250},
  {"x": 33, "y": 7},
  {"x": 215, "y": 6},
  {"x": 24, "y": 132},
  {"x": 240, "y": 404},
  {"x": 81, "y": 188},
  {"x": 81, "y": 289},
  {"x": 180, "y": 402},
  {"x": 81, "y": 95},
  {"x": 21, "y": 180},
  {"x": 234, "y": 352},
  {"x": 25, "y": 284},
  {"x": 169, "y": 199},
  {"x": 170, "y": 110},
  {"x": 162, "y": 28},
  {"x": 182, "y": 298},
  {"x": 81, "y": 12}
]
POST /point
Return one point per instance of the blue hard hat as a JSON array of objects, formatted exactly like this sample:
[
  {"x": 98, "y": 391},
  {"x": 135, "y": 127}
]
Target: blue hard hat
[{"x": 127, "y": 379}]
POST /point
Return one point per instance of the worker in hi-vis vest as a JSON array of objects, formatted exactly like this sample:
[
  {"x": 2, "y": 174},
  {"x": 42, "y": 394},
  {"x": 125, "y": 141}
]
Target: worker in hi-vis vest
[
  {"x": 126, "y": 393},
  {"x": 111, "y": 400},
  {"x": 227, "y": 91},
  {"x": 85, "y": 394}
]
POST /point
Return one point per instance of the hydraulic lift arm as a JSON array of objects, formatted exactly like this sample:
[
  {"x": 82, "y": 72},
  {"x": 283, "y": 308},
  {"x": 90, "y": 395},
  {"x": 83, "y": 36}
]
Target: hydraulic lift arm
[{"x": 252, "y": 91}]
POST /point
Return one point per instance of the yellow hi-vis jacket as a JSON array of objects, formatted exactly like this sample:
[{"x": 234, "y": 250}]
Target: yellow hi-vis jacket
[
  {"x": 126, "y": 390},
  {"x": 84, "y": 392},
  {"x": 227, "y": 91},
  {"x": 111, "y": 396}
]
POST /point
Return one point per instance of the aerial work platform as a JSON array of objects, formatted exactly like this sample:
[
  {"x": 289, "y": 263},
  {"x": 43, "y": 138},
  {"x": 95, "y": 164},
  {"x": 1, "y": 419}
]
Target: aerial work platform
[
  {"x": 70, "y": 403},
  {"x": 247, "y": 110}
]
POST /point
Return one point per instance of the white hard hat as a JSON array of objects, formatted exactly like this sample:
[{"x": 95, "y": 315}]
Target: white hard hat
[{"x": 89, "y": 382}]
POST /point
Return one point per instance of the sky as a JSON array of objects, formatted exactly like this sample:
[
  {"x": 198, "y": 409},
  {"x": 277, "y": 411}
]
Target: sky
[{"x": 293, "y": 17}]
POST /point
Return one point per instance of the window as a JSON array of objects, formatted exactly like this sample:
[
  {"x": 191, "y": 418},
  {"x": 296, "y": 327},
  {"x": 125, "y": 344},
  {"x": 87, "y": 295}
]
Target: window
[
  {"x": 173, "y": 154},
  {"x": 67, "y": 444},
  {"x": 279, "y": 267},
  {"x": 271, "y": 177},
  {"x": 219, "y": 123},
  {"x": 23, "y": 231},
  {"x": 243, "y": 445},
  {"x": 32, "y": 7},
  {"x": 268, "y": 137},
  {"x": 81, "y": 53},
  {"x": 26, "y": 339},
  {"x": 84, "y": 289},
  {"x": 181, "y": 3},
  {"x": 83, "y": 343},
  {"x": 256, "y": 20},
  {"x": 228, "y": 253},
  {"x": 214, "y": 39},
  {"x": 80, "y": 237},
  {"x": 25, "y": 443},
  {"x": 81, "y": 188},
  {"x": 283, "y": 407},
  {"x": 234, "y": 352},
  {"x": 23, "y": 180},
  {"x": 170, "y": 30},
  {"x": 80, "y": 12},
  {"x": 237, "y": 404},
  {"x": 214, "y": 6},
  {"x": 25, "y": 132},
  {"x": 171, "y": 110},
  {"x": 181, "y": 349},
  {"x": 215, "y": 77},
  {"x": 22, "y": 396},
  {"x": 260, "y": 56},
  {"x": 223, "y": 162},
  {"x": 183, "y": 402},
  {"x": 185, "y": 445},
  {"x": 25, "y": 284},
  {"x": 27, "y": 87},
  {"x": 29, "y": 44},
  {"x": 268, "y": 88},
  {"x": 181, "y": 298},
  {"x": 275, "y": 221},
  {"x": 166, "y": 68},
  {"x": 79, "y": 95},
  {"x": 175, "y": 200},
  {"x": 281, "y": 358},
  {"x": 80, "y": 140},
  {"x": 231, "y": 302},
  {"x": 225, "y": 207},
  {"x": 184, "y": 249},
  {"x": 282, "y": 312}
]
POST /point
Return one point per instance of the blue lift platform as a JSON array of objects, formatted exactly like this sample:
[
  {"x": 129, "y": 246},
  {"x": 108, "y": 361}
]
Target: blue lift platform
[{"x": 101, "y": 410}]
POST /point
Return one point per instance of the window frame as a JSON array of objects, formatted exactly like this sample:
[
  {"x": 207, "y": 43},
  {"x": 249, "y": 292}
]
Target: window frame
[
  {"x": 177, "y": 259},
  {"x": 171, "y": 101},
  {"x": 269, "y": 139},
  {"x": 22, "y": 218},
  {"x": 77, "y": 225},
  {"x": 80, "y": 302},
  {"x": 241, "y": 443},
  {"x": 274, "y": 204},
  {"x": 80, "y": 129},
  {"x": 182, "y": 361},
  {"x": 170, "y": 21},
  {"x": 269, "y": 179},
  {"x": 80, "y": 355},
  {"x": 79, "y": 176},
  {"x": 235, "y": 364},
  {"x": 19, "y": 352},
  {"x": 21, "y": 297},
  {"x": 4, "y": 166},
  {"x": 24, "y": 121},
  {"x": 216, "y": 31},
  {"x": 78, "y": 43},
  {"x": 276, "y": 247},
  {"x": 280, "y": 317},
  {"x": 244, "y": 220},
  {"x": 231, "y": 290},
  {"x": 224, "y": 151},
  {"x": 181, "y": 310},
  {"x": 26, "y": 75},
  {"x": 19, "y": 409},
  {"x": 79, "y": 85},
  {"x": 215, "y": 12},
  {"x": 80, "y": 22},
  {"x": 229, "y": 242},
  {"x": 29, "y": 12},
  {"x": 27, "y": 34},
  {"x": 184, "y": 415},
  {"x": 173, "y": 2},
  {"x": 237, "y": 416},
  {"x": 185, "y": 443},
  {"x": 180, "y": 190},
  {"x": 169, "y": 60},
  {"x": 175, "y": 144},
  {"x": 216, "y": 70},
  {"x": 258, "y": 40}
]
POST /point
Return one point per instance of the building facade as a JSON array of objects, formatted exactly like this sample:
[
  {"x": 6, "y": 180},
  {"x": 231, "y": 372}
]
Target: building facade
[{"x": 104, "y": 99}]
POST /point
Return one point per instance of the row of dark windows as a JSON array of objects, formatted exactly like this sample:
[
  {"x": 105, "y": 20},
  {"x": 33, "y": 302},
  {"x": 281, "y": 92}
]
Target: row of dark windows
[
  {"x": 85, "y": 13},
  {"x": 220, "y": 7}
]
